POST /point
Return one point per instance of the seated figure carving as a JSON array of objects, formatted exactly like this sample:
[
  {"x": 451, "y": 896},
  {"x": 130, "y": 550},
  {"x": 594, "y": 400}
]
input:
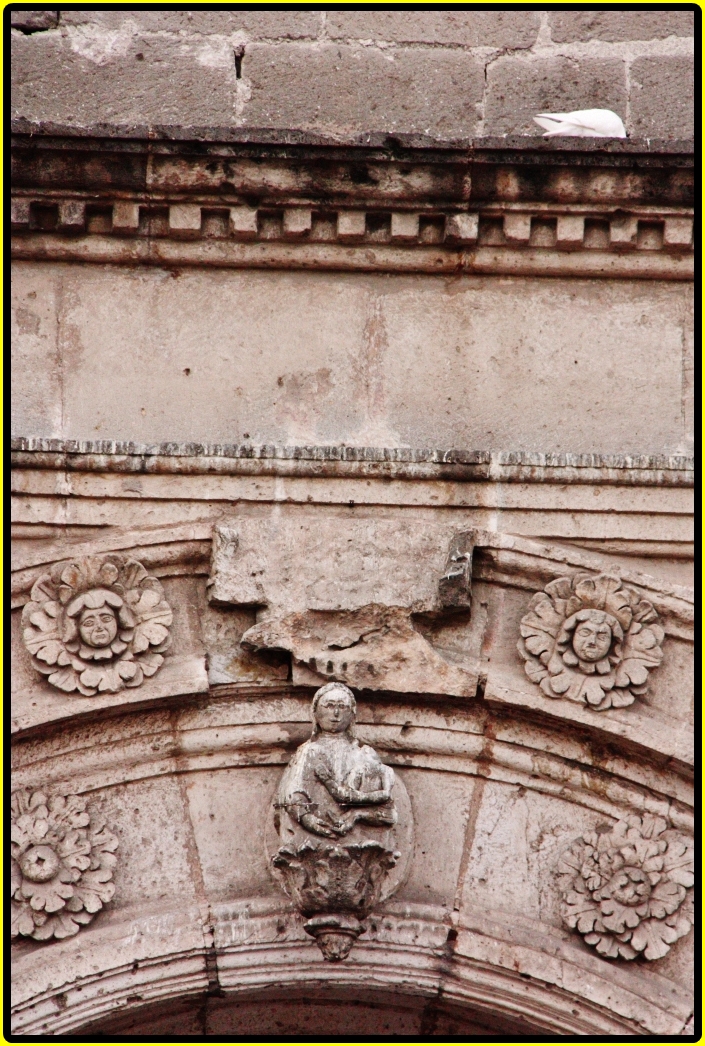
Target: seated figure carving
[
  {"x": 335, "y": 815},
  {"x": 334, "y": 783}
]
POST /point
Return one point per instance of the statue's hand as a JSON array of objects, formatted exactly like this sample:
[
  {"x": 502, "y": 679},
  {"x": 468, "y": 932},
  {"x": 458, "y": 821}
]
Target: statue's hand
[
  {"x": 323, "y": 772},
  {"x": 319, "y": 827}
]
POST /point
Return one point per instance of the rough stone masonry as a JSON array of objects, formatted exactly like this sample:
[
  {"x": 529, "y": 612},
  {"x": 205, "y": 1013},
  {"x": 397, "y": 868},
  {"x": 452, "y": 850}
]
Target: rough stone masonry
[{"x": 443, "y": 73}]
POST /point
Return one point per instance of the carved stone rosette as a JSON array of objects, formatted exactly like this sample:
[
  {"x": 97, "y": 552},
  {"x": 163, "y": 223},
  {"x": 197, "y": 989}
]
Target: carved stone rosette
[
  {"x": 591, "y": 639},
  {"x": 625, "y": 888},
  {"x": 61, "y": 867},
  {"x": 337, "y": 820},
  {"x": 97, "y": 625}
]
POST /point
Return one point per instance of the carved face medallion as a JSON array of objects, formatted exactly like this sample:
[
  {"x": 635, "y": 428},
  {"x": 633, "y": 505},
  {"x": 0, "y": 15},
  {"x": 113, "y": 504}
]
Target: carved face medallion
[
  {"x": 98, "y": 628},
  {"x": 592, "y": 639},
  {"x": 97, "y": 625}
]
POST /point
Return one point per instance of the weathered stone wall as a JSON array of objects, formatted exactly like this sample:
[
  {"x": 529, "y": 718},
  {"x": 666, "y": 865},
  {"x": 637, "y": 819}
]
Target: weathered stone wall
[
  {"x": 444, "y": 73},
  {"x": 368, "y": 360},
  {"x": 297, "y": 407}
]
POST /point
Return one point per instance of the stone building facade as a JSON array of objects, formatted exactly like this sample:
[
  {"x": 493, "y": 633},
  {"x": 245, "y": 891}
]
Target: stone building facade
[{"x": 352, "y": 685}]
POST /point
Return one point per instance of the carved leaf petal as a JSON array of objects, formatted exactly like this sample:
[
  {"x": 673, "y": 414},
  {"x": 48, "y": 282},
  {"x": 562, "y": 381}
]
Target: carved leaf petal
[
  {"x": 108, "y": 573},
  {"x": 150, "y": 662},
  {"x": 665, "y": 899},
  {"x": 64, "y": 679},
  {"x": 91, "y": 678},
  {"x": 126, "y": 669},
  {"x": 68, "y": 924},
  {"x": 604, "y": 943},
  {"x": 43, "y": 590},
  {"x": 21, "y": 921},
  {"x": 621, "y": 698},
  {"x": 654, "y": 937},
  {"x": 75, "y": 849},
  {"x": 594, "y": 689},
  {"x": 150, "y": 632},
  {"x": 50, "y": 895},
  {"x": 678, "y": 862},
  {"x": 93, "y": 892},
  {"x": 45, "y": 648}
]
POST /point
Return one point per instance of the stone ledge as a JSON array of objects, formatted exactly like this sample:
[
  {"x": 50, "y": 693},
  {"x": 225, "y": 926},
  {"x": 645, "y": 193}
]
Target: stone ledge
[
  {"x": 389, "y": 142},
  {"x": 500, "y": 466}
]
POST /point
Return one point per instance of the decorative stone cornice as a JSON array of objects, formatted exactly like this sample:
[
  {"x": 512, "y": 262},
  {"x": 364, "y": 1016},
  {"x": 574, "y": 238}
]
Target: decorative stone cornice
[
  {"x": 287, "y": 199},
  {"x": 400, "y": 462}
]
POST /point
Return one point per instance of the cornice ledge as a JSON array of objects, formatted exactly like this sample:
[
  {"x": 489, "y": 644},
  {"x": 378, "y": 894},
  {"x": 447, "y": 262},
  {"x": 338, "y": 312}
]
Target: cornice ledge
[
  {"x": 152, "y": 134},
  {"x": 406, "y": 462}
]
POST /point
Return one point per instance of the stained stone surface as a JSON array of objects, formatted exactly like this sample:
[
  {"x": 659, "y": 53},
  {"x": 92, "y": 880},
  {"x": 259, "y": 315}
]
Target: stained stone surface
[
  {"x": 436, "y": 72},
  {"x": 367, "y": 475},
  {"x": 368, "y": 360}
]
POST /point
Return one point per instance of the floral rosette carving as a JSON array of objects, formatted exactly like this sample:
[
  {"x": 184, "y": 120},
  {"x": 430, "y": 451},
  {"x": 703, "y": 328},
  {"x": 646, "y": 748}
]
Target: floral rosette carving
[
  {"x": 62, "y": 865},
  {"x": 625, "y": 888},
  {"x": 591, "y": 639},
  {"x": 97, "y": 625}
]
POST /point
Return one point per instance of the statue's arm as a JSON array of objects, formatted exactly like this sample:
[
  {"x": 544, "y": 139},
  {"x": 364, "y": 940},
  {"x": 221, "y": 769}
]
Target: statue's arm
[
  {"x": 343, "y": 793},
  {"x": 301, "y": 809}
]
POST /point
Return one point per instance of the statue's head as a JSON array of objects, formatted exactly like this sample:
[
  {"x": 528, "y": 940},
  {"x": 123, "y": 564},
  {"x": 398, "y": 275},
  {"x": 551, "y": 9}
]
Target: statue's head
[
  {"x": 333, "y": 709},
  {"x": 593, "y": 632},
  {"x": 95, "y": 617}
]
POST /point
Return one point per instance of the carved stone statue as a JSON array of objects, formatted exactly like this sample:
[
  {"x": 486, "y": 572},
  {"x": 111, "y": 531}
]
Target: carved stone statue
[
  {"x": 337, "y": 819},
  {"x": 591, "y": 639},
  {"x": 97, "y": 625}
]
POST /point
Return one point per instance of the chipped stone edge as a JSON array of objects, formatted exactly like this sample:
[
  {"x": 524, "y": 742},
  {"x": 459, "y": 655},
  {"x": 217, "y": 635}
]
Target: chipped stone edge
[{"x": 404, "y": 462}]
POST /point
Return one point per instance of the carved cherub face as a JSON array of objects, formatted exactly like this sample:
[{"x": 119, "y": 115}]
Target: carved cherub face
[
  {"x": 98, "y": 628},
  {"x": 592, "y": 637},
  {"x": 334, "y": 711}
]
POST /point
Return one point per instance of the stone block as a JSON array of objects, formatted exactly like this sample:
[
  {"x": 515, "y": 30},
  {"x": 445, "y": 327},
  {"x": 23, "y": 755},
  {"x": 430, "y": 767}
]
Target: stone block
[
  {"x": 34, "y": 21},
  {"x": 677, "y": 232},
  {"x": 568, "y": 26},
  {"x": 478, "y": 28},
  {"x": 405, "y": 228},
  {"x": 19, "y": 213},
  {"x": 185, "y": 220},
  {"x": 259, "y": 25},
  {"x": 36, "y": 386},
  {"x": 374, "y": 562},
  {"x": 143, "y": 813},
  {"x": 441, "y": 803},
  {"x": 318, "y": 358},
  {"x": 351, "y": 225},
  {"x": 519, "y": 87},
  {"x": 126, "y": 216},
  {"x": 243, "y": 222},
  {"x": 228, "y": 810},
  {"x": 72, "y": 215},
  {"x": 347, "y": 88},
  {"x": 662, "y": 94},
  {"x": 462, "y": 228},
  {"x": 570, "y": 230},
  {"x": 623, "y": 231},
  {"x": 121, "y": 77},
  {"x": 517, "y": 228},
  {"x": 296, "y": 222}
]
